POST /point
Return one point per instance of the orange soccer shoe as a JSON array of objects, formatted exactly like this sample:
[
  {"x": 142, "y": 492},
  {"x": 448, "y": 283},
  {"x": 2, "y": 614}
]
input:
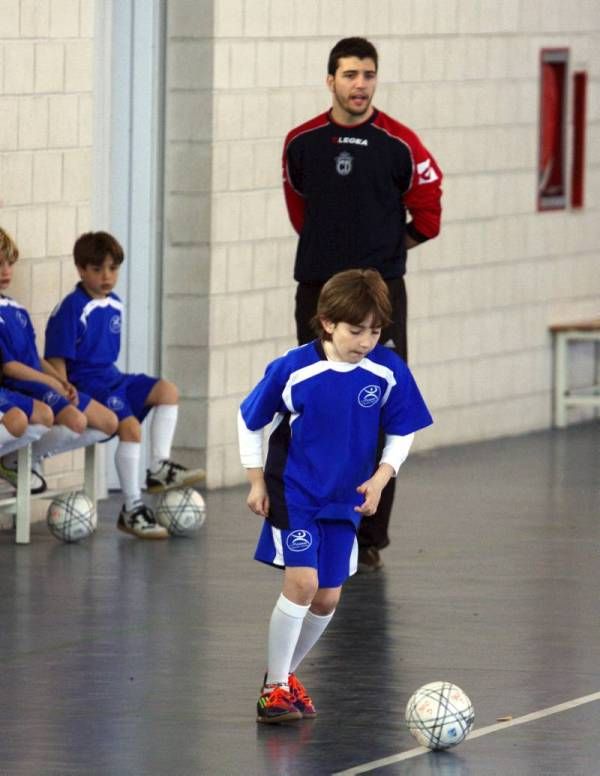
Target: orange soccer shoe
[
  {"x": 301, "y": 698},
  {"x": 276, "y": 705}
]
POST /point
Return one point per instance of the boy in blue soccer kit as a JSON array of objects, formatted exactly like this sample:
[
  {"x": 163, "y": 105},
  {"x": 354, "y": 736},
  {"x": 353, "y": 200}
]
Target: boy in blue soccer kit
[
  {"x": 83, "y": 340},
  {"x": 327, "y": 402},
  {"x": 42, "y": 394},
  {"x": 22, "y": 419}
]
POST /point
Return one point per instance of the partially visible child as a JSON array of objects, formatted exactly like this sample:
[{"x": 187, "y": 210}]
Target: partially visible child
[
  {"x": 25, "y": 373},
  {"x": 83, "y": 340},
  {"x": 22, "y": 420},
  {"x": 327, "y": 400}
]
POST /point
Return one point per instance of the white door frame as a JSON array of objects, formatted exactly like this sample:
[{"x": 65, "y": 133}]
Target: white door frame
[{"x": 128, "y": 169}]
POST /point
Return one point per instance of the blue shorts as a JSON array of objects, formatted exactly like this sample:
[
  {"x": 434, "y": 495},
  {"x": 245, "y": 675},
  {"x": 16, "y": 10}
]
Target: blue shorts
[
  {"x": 329, "y": 546},
  {"x": 10, "y": 399},
  {"x": 44, "y": 393},
  {"x": 125, "y": 396}
]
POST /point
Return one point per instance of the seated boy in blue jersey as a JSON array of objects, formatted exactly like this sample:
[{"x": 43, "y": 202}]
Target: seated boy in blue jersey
[
  {"x": 22, "y": 420},
  {"x": 83, "y": 340},
  {"x": 327, "y": 400},
  {"x": 46, "y": 397}
]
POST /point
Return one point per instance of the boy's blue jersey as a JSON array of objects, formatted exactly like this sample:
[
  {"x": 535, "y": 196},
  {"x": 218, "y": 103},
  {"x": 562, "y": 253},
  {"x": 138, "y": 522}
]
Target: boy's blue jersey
[
  {"x": 328, "y": 418},
  {"x": 17, "y": 337},
  {"x": 86, "y": 333}
]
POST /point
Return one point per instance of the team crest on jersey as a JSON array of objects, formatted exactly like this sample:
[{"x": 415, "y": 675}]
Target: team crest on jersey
[
  {"x": 299, "y": 540},
  {"x": 22, "y": 318},
  {"x": 369, "y": 396},
  {"x": 115, "y": 403},
  {"x": 343, "y": 163},
  {"x": 50, "y": 398},
  {"x": 115, "y": 324}
]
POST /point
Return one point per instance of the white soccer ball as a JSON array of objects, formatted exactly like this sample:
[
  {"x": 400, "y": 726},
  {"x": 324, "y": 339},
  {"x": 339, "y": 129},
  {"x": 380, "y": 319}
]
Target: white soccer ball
[
  {"x": 439, "y": 715},
  {"x": 72, "y": 517},
  {"x": 181, "y": 511}
]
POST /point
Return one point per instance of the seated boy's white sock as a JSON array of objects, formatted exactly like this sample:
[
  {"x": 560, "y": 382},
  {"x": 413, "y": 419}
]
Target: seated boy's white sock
[
  {"x": 284, "y": 631},
  {"x": 313, "y": 628},
  {"x": 162, "y": 431},
  {"x": 127, "y": 463}
]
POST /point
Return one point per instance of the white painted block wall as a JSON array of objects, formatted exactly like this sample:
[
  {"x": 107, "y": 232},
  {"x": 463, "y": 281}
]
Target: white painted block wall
[
  {"x": 464, "y": 74},
  {"x": 45, "y": 155}
]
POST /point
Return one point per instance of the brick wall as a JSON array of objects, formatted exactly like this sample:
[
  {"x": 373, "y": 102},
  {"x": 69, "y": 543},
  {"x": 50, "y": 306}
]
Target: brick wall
[
  {"x": 45, "y": 154},
  {"x": 240, "y": 73},
  {"x": 187, "y": 244},
  {"x": 464, "y": 75}
]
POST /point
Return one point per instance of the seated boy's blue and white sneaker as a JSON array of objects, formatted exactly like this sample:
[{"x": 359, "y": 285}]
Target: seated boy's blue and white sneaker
[
  {"x": 9, "y": 473},
  {"x": 172, "y": 475},
  {"x": 140, "y": 522}
]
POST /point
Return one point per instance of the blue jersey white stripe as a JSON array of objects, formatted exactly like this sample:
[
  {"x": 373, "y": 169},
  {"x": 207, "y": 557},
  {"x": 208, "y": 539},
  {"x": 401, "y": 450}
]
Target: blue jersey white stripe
[
  {"x": 328, "y": 416},
  {"x": 17, "y": 336},
  {"x": 86, "y": 333},
  {"x": 95, "y": 304}
]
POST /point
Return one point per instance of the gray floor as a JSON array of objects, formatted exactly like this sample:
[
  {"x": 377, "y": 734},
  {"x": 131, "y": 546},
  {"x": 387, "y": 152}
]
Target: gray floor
[{"x": 123, "y": 657}]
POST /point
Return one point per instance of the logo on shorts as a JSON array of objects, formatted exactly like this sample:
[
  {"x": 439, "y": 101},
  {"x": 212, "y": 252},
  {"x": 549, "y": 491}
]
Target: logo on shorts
[
  {"x": 22, "y": 318},
  {"x": 3, "y": 399},
  {"x": 369, "y": 395},
  {"x": 343, "y": 163},
  {"x": 50, "y": 397},
  {"x": 115, "y": 324},
  {"x": 115, "y": 403},
  {"x": 299, "y": 540}
]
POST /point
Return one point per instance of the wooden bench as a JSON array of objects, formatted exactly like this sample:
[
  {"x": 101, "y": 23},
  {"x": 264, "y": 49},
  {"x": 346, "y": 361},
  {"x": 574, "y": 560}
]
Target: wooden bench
[
  {"x": 563, "y": 334},
  {"x": 20, "y": 504}
]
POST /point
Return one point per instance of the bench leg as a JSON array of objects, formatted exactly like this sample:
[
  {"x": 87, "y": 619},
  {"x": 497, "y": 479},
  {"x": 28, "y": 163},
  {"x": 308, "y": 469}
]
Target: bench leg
[
  {"x": 23, "y": 500},
  {"x": 560, "y": 379},
  {"x": 596, "y": 374},
  {"x": 89, "y": 473}
]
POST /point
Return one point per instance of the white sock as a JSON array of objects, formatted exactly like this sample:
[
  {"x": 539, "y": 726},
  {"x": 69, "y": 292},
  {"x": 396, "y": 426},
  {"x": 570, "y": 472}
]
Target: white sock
[
  {"x": 284, "y": 631},
  {"x": 162, "y": 431},
  {"x": 312, "y": 629},
  {"x": 127, "y": 463},
  {"x": 61, "y": 439},
  {"x": 33, "y": 432}
]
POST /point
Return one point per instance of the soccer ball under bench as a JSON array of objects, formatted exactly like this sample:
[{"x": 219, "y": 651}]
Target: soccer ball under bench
[
  {"x": 181, "y": 511},
  {"x": 72, "y": 517}
]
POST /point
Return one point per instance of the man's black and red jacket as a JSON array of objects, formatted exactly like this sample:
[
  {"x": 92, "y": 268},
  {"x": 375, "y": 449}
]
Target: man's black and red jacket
[{"x": 348, "y": 190}]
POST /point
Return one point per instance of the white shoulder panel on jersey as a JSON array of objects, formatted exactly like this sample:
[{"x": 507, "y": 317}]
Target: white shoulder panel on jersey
[
  {"x": 8, "y": 302},
  {"x": 305, "y": 373},
  {"x": 94, "y": 304},
  {"x": 381, "y": 371}
]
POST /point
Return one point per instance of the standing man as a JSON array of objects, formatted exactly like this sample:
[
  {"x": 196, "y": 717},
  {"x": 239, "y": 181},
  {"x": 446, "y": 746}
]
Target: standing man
[{"x": 350, "y": 177}]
